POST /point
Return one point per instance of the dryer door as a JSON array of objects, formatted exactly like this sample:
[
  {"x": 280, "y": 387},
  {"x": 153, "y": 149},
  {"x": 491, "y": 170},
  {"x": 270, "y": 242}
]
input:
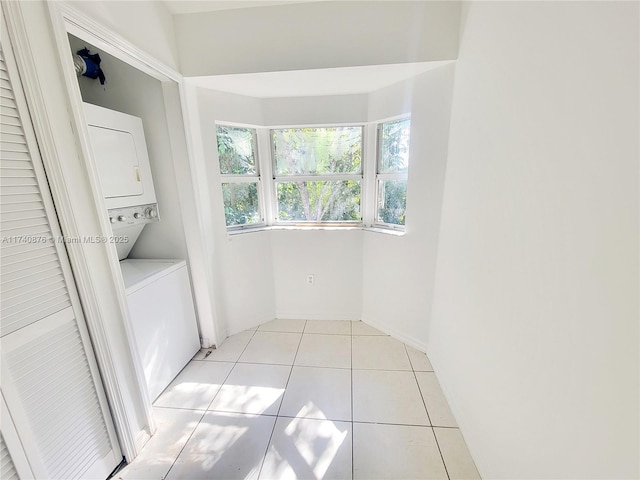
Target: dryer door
[
  {"x": 119, "y": 151},
  {"x": 117, "y": 162}
]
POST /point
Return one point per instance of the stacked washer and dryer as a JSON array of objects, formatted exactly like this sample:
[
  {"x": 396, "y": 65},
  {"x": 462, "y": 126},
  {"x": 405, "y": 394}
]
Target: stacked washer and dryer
[{"x": 158, "y": 291}]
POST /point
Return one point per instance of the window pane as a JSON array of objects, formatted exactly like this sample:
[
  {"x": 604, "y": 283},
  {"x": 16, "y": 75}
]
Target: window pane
[
  {"x": 308, "y": 151},
  {"x": 394, "y": 146},
  {"x": 241, "y": 203},
  {"x": 320, "y": 201},
  {"x": 392, "y": 201},
  {"x": 236, "y": 150}
]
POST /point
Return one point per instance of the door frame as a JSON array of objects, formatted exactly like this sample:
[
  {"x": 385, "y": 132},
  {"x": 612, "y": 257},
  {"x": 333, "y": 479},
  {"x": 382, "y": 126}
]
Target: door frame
[
  {"x": 121, "y": 408},
  {"x": 65, "y": 19}
]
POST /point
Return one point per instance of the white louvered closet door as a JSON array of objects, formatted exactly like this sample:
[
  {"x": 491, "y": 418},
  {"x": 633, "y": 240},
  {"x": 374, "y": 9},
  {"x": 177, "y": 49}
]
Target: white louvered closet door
[
  {"x": 7, "y": 467},
  {"x": 49, "y": 379}
]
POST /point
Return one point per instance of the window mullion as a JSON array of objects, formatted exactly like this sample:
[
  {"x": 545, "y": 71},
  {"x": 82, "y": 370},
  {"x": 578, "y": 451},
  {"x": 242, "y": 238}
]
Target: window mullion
[
  {"x": 368, "y": 202},
  {"x": 239, "y": 178},
  {"x": 319, "y": 178},
  {"x": 392, "y": 176},
  {"x": 268, "y": 198}
]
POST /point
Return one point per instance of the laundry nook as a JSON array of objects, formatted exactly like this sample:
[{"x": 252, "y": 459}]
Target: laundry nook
[{"x": 159, "y": 297}]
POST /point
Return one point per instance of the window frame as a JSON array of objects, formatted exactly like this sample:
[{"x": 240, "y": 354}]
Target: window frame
[
  {"x": 336, "y": 177},
  {"x": 267, "y": 180},
  {"x": 387, "y": 176},
  {"x": 235, "y": 178}
]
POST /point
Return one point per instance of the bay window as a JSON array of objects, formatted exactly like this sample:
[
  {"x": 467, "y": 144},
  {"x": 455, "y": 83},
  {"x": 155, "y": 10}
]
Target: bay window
[{"x": 316, "y": 175}]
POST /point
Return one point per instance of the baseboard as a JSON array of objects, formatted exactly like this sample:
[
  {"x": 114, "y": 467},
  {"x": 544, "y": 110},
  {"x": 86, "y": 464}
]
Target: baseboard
[
  {"x": 355, "y": 316},
  {"x": 237, "y": 327},
  {"x": 482, "y": 465},
  {"x": 397, "y": 334},
  {"x": 142, "y": 438}
]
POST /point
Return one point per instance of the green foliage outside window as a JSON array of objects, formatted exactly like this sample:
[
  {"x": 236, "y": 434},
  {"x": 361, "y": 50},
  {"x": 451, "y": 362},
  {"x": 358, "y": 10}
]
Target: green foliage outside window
[
  {"x": 392, "y": 201},
  {"x": 319, "y": 201},
  {"x": 236, "y": 153},
  {"x": 394, "y": 148},
  {"x": 236, "y": 150},
  {"x": 317, "y": 151},
  {"x": 240, "y": 203},
  {"x": 392, "y": 171},
  {"x": 323, "y": 152}
]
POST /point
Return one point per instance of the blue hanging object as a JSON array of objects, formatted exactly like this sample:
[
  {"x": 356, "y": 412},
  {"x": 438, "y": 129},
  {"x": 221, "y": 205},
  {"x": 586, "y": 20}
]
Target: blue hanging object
[{"x": 88, "y": 65}]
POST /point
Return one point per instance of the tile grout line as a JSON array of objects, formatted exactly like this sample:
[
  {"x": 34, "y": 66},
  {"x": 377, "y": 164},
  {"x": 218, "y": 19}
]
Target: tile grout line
[
  {"x": 424, "y": 402},
  {"x": 207, "y": 409},
  {"x": 234, "y": 366},
  {"x": 183, "y": 446},
  {"x": 353, "y": 465},
  {"x": 439, "y": 450},
  {"x": 181, "y": 408},
  {"x": 264, "y": 457},
  {"x": 364, "y": 422}
]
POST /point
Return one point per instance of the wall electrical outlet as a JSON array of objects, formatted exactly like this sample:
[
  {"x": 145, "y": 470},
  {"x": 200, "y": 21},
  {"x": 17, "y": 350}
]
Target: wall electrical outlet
[{"x": 310, "y": 279}]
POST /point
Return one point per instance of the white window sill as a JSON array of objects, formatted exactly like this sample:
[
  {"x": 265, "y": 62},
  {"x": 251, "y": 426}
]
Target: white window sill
[
  {"x": 386, "y": 231},
  {"x": 241, "y": 231},
  {"x": 266, "y": 228}
]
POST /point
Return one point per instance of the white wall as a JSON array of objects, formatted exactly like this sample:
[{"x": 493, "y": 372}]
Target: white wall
[
  {"x": 318, "y": 35},
  {"x": 243, "y": 266},
  {"x": 130, "y": 91},
  {"x": 320, "y": 110},
  {"x": 334, "y": 258},
  {"x": 399, "y": 272},
  {"x": 233, "y": 108},
  {"x": 246, "y": 286},
  {"x": 535, "y": 319},
  {"x": 146, "y": 24}
]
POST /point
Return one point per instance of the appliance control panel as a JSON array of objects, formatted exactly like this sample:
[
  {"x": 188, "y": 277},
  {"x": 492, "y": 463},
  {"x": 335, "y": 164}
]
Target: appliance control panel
[{"x": 130, "y": 216}]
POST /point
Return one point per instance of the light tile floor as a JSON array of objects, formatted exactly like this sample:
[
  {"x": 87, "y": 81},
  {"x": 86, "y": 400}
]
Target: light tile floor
[{"x": 297, "y": 399}]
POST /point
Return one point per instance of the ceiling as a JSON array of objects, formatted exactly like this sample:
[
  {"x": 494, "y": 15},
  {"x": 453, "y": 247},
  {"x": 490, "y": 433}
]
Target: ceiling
[
  {"x": 177, "y": 7},
  {"x": 317, "y": 82},
  {"x": 297, "y": 83}
]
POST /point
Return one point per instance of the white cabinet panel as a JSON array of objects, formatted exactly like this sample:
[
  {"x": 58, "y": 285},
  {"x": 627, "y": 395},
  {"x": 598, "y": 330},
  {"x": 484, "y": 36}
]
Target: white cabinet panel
[{"x": 163, "y": 317}]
